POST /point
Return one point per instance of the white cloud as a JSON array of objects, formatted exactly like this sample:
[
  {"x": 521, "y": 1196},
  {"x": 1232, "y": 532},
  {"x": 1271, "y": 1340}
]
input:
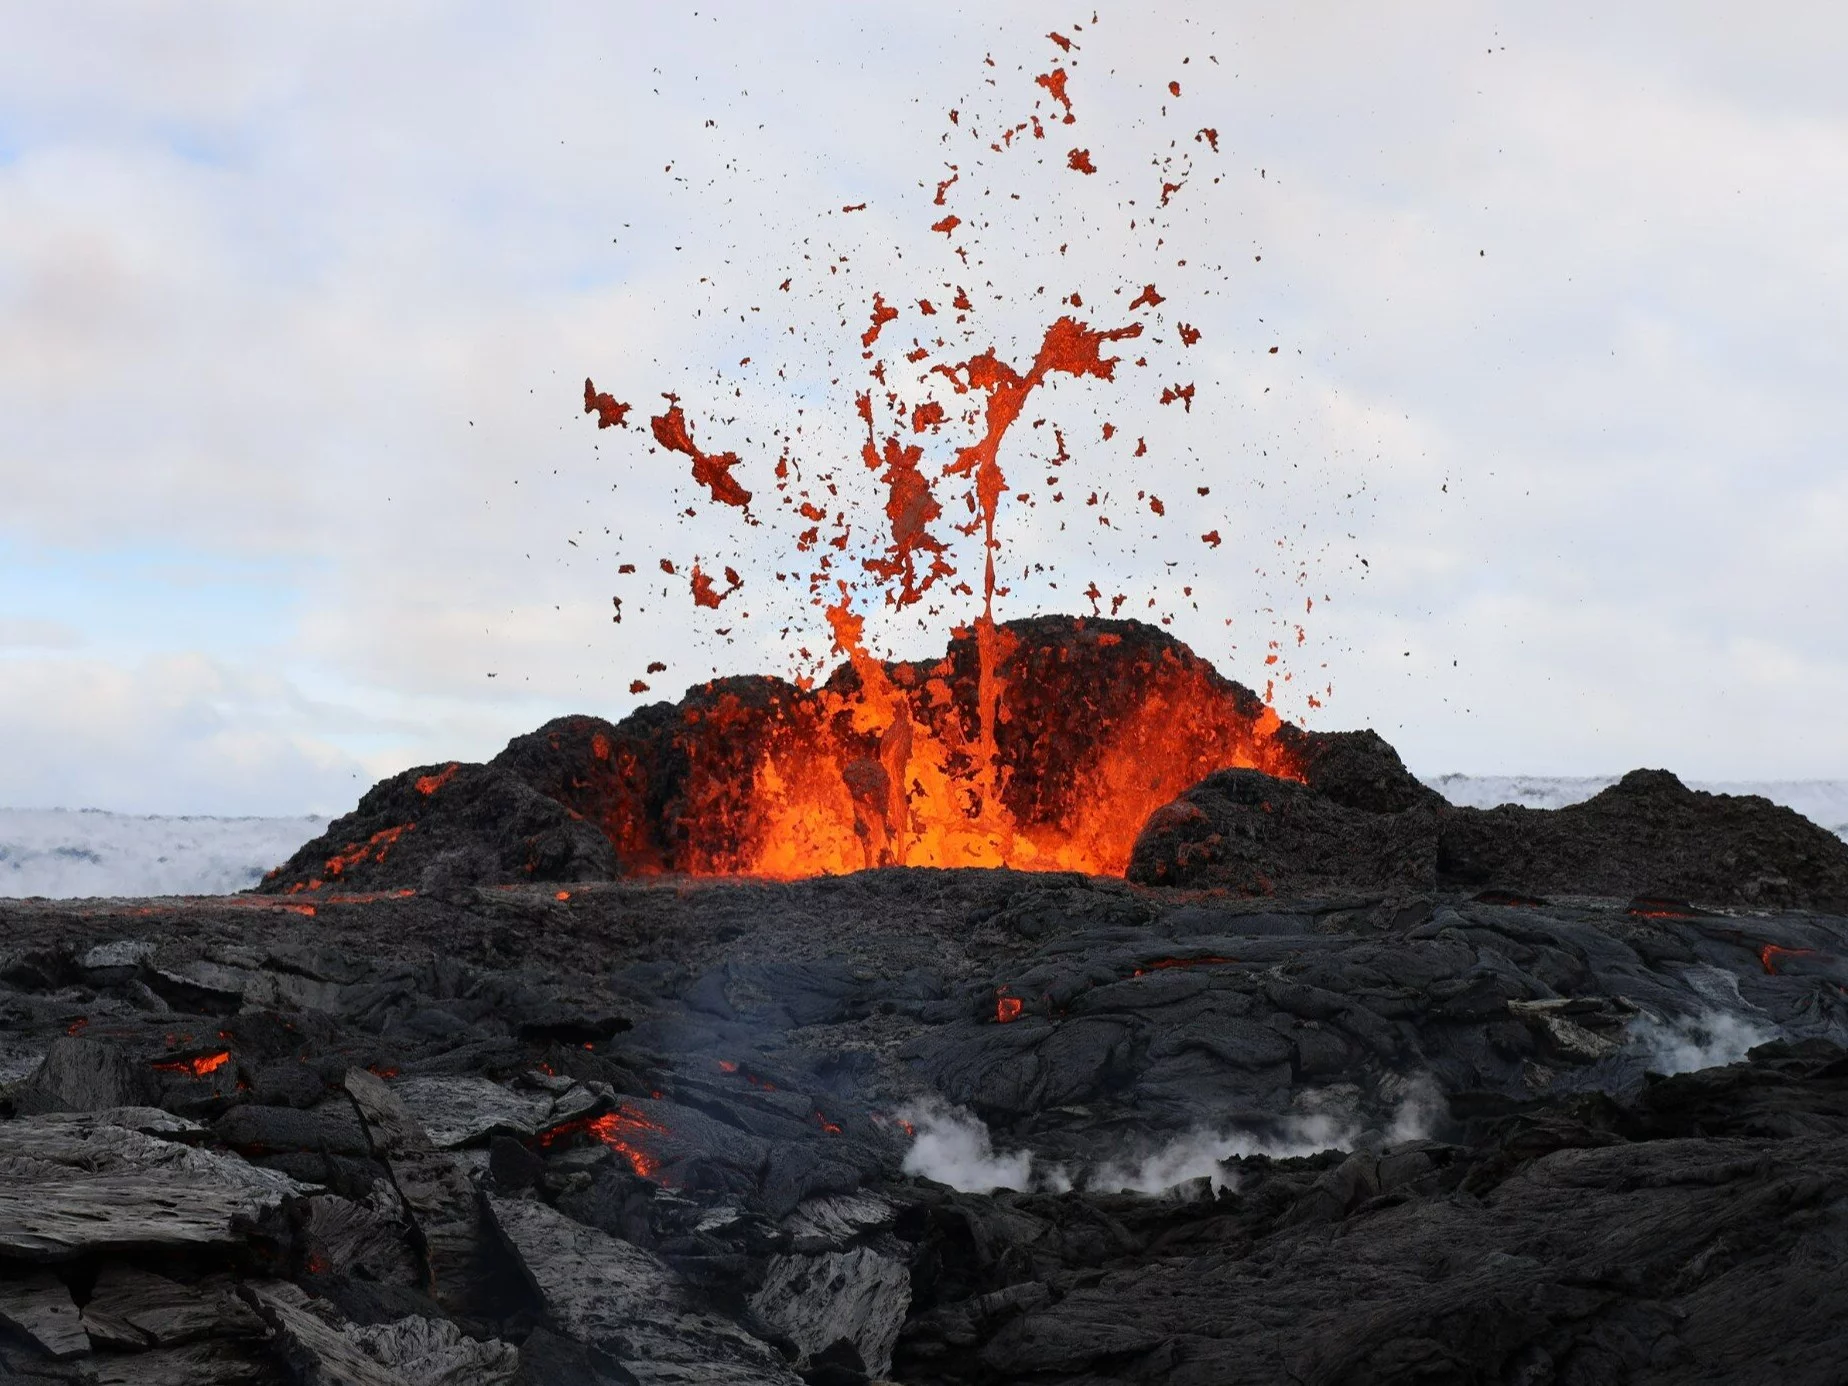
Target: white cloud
[
  {"x": 24, "y": 633},
  {"x": 320, "y": 285},
  {"x": 170, "y": 734}
]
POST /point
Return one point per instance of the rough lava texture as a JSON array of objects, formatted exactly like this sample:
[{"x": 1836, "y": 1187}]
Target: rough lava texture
[
  {"x": 1357, "y": 826},
  {"x": 920, "y": 1126},
  {"x": 1650, "y": 834},
  {"x": 1252, "y": 834},
  {"x": 441, "y": 826}
]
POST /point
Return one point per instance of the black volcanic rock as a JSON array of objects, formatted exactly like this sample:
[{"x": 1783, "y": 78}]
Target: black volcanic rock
[
  {"x": 1648, "y": 834},
  {"x": 84, "y": 1075},
  {"x": 1362, "y": 824},
  {"x": 1416, "y": 1143},
  {"x": 1359, "y": 770},
  {"x": 443, "y": 826},
  {"x": 1252, "y": 834}
]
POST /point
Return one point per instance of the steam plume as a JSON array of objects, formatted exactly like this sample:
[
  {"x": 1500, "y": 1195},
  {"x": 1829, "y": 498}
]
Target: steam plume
[
  {"x": 1684, "y": 1044},
  {"x": 952, "y": 1146}
]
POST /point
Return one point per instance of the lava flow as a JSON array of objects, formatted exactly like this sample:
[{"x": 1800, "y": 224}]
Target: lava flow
[
  {"x": 618, "y": 1130},
  {"x": 198, "y": 1066}
]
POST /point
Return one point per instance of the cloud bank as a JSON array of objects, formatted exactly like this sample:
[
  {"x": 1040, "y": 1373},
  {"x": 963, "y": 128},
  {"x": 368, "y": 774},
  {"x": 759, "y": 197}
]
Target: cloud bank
[{"x": 296, "y": 304}]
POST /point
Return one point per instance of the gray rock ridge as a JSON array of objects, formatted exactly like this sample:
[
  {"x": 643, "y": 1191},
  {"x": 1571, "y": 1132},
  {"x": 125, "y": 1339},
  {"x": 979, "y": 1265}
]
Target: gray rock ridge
[
  {"x": 685, "y": 1131},
  {"x": 1353, "y": 825}
]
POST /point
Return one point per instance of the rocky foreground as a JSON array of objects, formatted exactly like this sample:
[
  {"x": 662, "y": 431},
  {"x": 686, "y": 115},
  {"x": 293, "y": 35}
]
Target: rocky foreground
[{"x": 672, "y": 1131}]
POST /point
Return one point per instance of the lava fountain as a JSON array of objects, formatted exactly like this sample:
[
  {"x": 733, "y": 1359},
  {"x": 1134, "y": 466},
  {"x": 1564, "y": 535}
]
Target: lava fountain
[{"x": 1040, "y": 744}]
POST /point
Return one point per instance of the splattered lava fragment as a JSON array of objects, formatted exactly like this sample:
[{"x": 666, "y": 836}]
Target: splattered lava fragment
[
  {"x": 1054, "y": 82},
  {"x": 711, "y": 470},
  {"x": 910, "y": 508},
  {"x": 610, "y": 414},
  {"x": 1184, "y": 393},
  {"x": 882, "y": 314},
  {"x": 706, "y": 594}
]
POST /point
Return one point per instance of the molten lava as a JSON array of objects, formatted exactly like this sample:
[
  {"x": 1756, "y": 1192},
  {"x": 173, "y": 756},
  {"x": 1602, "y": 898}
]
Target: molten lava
[
  {"x": 618, "y": 1131},
  {"x": 198, "y": 1066},
  {"x": 1091, "y": 726},
  {"x": 1771, "y": 952},
  {"x": 1007, "y": 1008},
  {"x": 429, "y": 784}
]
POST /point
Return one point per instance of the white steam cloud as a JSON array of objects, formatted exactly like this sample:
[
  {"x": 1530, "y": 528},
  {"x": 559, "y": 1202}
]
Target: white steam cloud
[
  {"x": 953, "y": 1147},
  {"x": 1198, "y": 1154},
  {"x": 1686, "y": 1044}
]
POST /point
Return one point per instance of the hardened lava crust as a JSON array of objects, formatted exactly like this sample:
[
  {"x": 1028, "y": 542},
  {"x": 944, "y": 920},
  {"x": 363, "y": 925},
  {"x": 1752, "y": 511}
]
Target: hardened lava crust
[{"x": 678, "y": 1129}]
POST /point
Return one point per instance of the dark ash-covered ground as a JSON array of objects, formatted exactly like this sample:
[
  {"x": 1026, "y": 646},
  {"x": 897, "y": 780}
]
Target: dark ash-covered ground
[{"x": 652, "y": 1132}]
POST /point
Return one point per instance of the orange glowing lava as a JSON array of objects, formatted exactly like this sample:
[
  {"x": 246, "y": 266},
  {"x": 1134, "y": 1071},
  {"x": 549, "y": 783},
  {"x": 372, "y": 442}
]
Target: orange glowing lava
[
  {"x": 429, "y": 784},
  {"x": 1007, "y": 1008},
  {"x": 617, "y": 1130},
  {"x": 198, "y": 1066},
  {"x": 1771, "y": 952},
  {"x": 373, "y": 848}
]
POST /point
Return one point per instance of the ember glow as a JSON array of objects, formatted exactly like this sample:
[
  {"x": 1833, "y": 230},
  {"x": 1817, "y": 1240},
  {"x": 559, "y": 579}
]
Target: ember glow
[
  {"x": 198, "y": 1066},
  {"x": 1771, "y": 952},
  {"x": 620, "y": 1130}
]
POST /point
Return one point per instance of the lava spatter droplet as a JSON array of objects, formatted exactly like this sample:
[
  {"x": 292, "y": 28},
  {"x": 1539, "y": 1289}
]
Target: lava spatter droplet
[
  {"x": 609, "y": 413},
  {"x": 711, "y": 470}
]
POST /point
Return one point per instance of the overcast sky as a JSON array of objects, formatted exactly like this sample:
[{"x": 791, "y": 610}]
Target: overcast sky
[{"x": 297, "y": 302}]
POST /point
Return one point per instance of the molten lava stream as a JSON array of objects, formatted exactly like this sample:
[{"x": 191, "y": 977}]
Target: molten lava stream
[
  {"x": 883, "y": 775},
  {"x": 198, "y": 1066}
]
